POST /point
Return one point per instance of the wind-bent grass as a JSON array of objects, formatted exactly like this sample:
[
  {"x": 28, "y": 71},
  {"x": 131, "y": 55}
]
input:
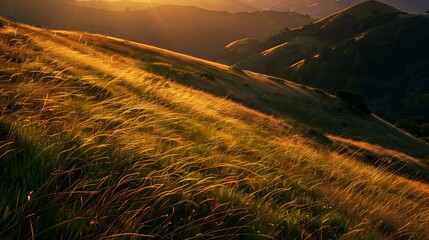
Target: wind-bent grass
[{"x": 95, "y": 147}]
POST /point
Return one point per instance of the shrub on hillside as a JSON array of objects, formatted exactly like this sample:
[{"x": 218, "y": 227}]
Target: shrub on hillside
[
  {"x": 237, "y": 69},
  {"x": 206, "y": 76},
  {"x": 424, "y": 130},
  {"x": 355, "y": 99},
  {"x": 408, "y": 126}
]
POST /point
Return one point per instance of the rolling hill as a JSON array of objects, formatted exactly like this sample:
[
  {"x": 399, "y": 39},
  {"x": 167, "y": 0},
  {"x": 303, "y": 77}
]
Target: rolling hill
[
  {"x": 323, "y": 8},
  {"x": 105, "y": 138},
  {"x": 184, "y": 29},
  {"x": 233, "y": 6},
  {"x": 371, "y": 48}
]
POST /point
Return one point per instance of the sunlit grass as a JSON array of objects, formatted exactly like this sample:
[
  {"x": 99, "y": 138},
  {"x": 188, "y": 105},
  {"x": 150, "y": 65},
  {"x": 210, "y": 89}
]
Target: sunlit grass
[{"x": 94, "y": 146}]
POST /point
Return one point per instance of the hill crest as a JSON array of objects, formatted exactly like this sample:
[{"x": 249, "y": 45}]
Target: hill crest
[{"x": 362, "y": 10}]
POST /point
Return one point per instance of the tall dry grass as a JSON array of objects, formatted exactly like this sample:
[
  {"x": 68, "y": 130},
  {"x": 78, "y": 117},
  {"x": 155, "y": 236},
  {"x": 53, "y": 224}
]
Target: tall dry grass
[{"x": 94, "y": 146}]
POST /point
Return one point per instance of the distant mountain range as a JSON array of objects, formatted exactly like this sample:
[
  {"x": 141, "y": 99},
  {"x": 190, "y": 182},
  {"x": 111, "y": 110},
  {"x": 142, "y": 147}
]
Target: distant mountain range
[
  {"x": 315, "y": 8},
  {"x": 215, "y": 5},
  {"x": 188, "y": 30},
  {"x": 371, "y": 48}
]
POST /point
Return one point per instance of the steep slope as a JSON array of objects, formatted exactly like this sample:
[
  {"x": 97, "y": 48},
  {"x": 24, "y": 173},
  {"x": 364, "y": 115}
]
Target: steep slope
[
  {"x": 323, "y": 8},
  {"x": 310, "y": 39},
  {"x": 215, "y": 5},
  {"x": 371, "y": 48},
  {"x": 99, "y": 140},
  {"x": 185, "y": 29}
]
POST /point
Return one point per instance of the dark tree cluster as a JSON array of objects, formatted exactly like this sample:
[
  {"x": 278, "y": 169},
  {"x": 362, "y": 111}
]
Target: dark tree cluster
[{"x": 355, "y": 99}]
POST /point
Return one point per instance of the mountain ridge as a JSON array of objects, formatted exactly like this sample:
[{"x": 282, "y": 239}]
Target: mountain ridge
[
  {"x": 323, "y": 8},
  {"x": 387, "y": 47}
]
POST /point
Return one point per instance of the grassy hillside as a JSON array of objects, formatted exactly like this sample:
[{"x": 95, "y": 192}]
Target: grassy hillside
[
  {"x": 370, "y": 48},
  {"x": 102, "y": 138},
  {"x": 184, "y": 29}
]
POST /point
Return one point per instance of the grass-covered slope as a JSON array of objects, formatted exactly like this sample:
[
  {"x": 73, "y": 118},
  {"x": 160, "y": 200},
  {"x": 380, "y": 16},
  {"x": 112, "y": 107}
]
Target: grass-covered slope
[
  {"x": 270, "y": 95},
  {"x": 98, "y": 141}
]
